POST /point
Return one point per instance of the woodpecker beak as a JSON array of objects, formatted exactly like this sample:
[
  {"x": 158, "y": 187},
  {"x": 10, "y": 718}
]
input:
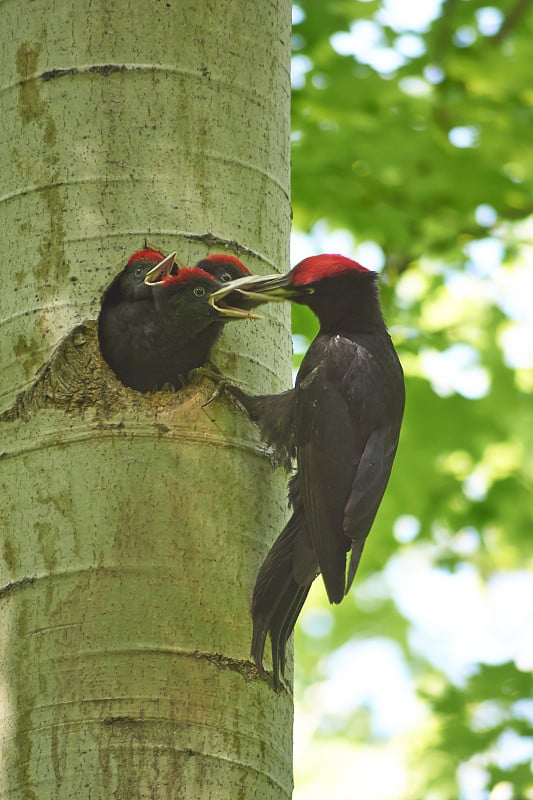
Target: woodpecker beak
[
  {"x": 161, "y": 270},
  {"x": 255, "y": 289},
  {"x": 227, "y": 300},
  {"x": 226, "y": 310}
]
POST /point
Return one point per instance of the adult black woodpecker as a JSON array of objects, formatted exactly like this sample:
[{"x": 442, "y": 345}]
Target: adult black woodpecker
[
  {"x": 128, "y": 330},
  {"x": 342, "y": 422}
]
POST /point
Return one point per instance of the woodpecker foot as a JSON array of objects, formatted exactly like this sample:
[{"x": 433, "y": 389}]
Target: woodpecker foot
[
  {"x": 223, "y": 384},
  {"x": 219, "y": 389},
  {"x": 209, "y": 371}
]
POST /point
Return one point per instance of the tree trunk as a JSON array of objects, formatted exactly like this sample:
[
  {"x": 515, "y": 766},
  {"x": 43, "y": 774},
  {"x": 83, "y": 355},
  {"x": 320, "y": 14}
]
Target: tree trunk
[{"x": 133, "y": 525}]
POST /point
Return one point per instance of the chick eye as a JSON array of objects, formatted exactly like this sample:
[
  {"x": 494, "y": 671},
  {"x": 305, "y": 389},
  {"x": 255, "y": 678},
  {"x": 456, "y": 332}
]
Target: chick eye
[
  {"x": 199, "y": 291},
  {"x": 225, "y": 277},
  {"x": 138, "y": 272}
]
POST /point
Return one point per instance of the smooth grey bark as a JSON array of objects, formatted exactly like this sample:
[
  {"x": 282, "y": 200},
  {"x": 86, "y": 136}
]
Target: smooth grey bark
[{"x": 133, "y": 525}]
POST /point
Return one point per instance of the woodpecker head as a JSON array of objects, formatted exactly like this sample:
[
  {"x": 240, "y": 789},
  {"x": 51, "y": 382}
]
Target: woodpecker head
[
  {"x": 332, "y": 285},
  {"x": 132, "y": 285},
  {"x": 315, "y": 271},
  {"x": 187, "y": 293},
  {"x": 223, "y": 267}
]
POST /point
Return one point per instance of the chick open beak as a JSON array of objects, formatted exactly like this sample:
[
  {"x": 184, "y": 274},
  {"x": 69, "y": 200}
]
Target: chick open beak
[
  {"x": 161, "y": 270},
  {"x": 254, "y": 290},
  {"x": 225, "y": 309}
]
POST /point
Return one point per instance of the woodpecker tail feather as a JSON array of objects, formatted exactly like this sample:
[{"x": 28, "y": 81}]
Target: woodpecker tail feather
[
  {"x": 278, "y": 598},
  {"x": 282, "y": 626}
]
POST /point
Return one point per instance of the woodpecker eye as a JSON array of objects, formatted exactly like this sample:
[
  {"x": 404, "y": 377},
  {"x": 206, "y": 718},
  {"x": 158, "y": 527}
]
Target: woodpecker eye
[
  {"x": 138, "y": 272},
  {"x": 199, "y": 291},
  {"x": 225, "y": 277}
]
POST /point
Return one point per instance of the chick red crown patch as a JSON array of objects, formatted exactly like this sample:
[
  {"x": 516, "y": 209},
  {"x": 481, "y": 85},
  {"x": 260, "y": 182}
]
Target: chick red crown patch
[{"x": 147, "y": 254}]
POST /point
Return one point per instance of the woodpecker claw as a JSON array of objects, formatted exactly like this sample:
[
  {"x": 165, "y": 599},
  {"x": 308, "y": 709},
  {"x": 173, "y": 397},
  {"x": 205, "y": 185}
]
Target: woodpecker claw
[
  {"x": 222, "y": 383},
  {"x": 217, "y": 392}
]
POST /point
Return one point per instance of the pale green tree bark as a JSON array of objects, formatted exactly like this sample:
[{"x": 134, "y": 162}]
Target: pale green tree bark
[{"x": 133, "y": 526}]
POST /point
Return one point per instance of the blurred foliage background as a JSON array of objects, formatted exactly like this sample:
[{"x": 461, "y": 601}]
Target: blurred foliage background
[{"x": 413, "y": 152}]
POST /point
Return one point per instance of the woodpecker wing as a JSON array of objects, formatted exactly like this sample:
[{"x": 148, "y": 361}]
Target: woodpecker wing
[
  {"x": 368, "y": 487},
  {"x": 377, "y": 408},
  {"x": 324, "y": 441},
  {"x": 345, "y": 443}
]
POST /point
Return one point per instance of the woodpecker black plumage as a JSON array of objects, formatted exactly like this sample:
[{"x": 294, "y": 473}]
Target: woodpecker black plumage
[
  {"x": 188, "y": 325},
  {"x": 156, "y": 324},
  {"x": 342, "y": 422},
  {"x": 128, "y": 329}
]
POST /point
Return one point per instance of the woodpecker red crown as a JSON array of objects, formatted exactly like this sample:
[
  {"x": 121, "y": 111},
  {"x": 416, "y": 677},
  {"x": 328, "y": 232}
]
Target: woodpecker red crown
[
  {"x": 147, "y": 254},
  {"x": 225, "y": 258},
  {"x": 326, "y": 265},
  {"x": 187, "y": 274}
]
